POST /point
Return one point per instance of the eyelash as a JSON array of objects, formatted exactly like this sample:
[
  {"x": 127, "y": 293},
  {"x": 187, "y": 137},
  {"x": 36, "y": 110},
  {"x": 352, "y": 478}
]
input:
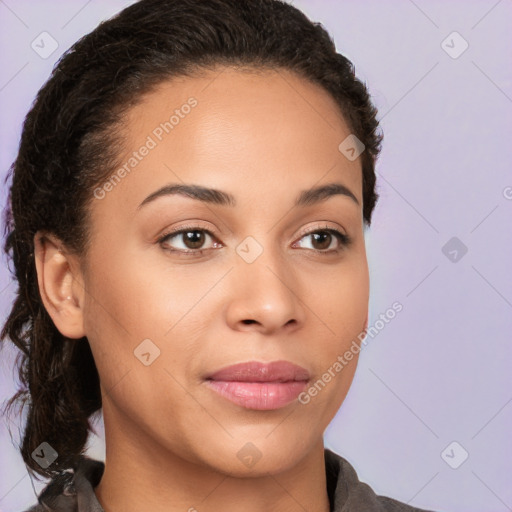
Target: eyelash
[{"x": 344, "y": 240}]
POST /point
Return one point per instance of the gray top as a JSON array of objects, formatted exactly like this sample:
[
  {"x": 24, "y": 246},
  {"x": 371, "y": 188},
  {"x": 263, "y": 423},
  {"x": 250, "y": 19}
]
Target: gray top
[{"x": 72, "y": 490}]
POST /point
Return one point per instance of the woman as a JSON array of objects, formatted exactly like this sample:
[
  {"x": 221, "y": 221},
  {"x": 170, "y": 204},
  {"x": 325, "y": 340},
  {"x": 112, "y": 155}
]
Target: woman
[{"x": 188, "y": 212}]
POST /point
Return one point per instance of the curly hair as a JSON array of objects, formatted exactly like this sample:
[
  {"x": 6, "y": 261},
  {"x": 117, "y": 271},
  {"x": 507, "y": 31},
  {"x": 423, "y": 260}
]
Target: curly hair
[{"x": 70, "y": 144}]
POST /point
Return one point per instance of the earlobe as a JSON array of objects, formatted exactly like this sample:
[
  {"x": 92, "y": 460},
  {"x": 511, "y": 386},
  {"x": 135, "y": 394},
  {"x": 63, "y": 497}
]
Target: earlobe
[{"x": 59, "y": 284}]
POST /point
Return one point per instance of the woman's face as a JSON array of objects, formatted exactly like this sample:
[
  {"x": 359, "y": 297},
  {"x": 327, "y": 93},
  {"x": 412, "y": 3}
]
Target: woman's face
[{"x": 256, "y": 279}]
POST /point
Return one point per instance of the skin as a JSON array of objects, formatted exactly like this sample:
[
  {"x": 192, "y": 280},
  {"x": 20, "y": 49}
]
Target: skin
[{"x": 263, "y": 137}]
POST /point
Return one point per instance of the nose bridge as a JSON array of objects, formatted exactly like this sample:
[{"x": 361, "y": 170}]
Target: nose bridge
[{"x": 266, "y": 292}]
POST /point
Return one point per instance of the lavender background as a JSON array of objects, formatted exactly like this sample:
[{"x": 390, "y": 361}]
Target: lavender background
[{"x": 438, "y": 372}]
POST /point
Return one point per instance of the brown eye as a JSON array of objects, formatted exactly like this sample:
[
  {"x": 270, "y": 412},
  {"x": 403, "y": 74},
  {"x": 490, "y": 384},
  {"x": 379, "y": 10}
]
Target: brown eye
[
  {"x": 193, "y": 239},
  {"x": 326, "y": 240},
  {"x": 321, "y": 240},
  {"x": 186, "y": 240}
]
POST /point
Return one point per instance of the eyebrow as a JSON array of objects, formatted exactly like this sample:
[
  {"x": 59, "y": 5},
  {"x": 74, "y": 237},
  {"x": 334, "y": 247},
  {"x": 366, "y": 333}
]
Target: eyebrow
[{"x": 213, "y": 196}]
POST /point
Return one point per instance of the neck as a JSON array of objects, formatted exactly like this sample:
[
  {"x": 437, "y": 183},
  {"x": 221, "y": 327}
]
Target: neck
[{"x": 141, "y": 475}]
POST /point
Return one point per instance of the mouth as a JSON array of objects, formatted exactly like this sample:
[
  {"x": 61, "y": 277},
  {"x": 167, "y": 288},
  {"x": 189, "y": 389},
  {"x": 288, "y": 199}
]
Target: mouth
[{"x": 260, "y": 386}]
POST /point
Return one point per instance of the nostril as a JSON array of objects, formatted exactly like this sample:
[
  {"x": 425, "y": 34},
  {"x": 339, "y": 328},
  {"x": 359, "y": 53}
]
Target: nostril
[{"x": 249, "y": 321}]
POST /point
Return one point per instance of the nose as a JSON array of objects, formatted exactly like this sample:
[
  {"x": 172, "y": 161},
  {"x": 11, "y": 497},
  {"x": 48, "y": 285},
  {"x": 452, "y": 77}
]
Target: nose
[{"x": 265, "y": 296}]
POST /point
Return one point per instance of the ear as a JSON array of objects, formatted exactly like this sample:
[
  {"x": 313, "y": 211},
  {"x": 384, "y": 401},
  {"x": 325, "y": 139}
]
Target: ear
[{"x": 60, "y": 284}]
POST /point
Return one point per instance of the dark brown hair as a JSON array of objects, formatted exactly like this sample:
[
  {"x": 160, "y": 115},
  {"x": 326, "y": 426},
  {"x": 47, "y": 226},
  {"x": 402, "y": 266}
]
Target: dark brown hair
[{"x": 70, "y": 143}]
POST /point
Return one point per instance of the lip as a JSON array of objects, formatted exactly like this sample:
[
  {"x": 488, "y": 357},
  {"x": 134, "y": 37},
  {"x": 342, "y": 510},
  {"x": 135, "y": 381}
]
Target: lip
[{"x": 260, "y": 386}]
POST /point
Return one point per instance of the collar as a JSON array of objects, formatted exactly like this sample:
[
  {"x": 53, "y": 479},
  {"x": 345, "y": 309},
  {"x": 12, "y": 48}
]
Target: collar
[{"x": 72, "y": 490}]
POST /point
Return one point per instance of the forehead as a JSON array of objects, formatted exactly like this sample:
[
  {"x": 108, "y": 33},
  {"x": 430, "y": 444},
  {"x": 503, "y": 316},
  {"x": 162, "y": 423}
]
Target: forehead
[{"x": 240, "y": 130}]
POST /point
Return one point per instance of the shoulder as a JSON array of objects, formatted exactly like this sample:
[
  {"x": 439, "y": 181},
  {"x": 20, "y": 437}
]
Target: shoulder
[{"x": 348, "y": 493}]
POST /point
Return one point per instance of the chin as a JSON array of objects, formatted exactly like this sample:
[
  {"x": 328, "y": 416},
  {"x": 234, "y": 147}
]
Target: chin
[{"x": 245, "y": 457}]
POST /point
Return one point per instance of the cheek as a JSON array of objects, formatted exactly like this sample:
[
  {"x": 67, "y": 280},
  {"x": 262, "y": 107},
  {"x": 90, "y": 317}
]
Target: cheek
[
  {"x": 342, "y": 309},
  {"x": 130, "y": 313},
  {"x": 341, "y": 298},
  {"x": 130, "y": 301},
  {"x": 137, "y": 300}
]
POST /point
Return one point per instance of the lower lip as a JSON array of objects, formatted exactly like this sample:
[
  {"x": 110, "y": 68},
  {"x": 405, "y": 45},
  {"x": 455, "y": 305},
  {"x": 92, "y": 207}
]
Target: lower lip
[{"x": 262, "y": 396}]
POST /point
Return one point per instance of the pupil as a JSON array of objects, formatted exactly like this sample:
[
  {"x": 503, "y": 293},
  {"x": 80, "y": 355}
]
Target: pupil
[
  {"x": 194, "y": 239},
  {"x": 323, "y": 235}
]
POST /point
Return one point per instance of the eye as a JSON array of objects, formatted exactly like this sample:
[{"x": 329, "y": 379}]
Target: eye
[
  {"x": 326, "y": 240},
  {"x": 187, "y": 240},
  {"x": 191, "y": 240}
]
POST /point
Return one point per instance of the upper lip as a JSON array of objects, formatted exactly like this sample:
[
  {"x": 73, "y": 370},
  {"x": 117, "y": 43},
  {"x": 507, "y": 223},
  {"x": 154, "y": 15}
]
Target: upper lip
[{"x": 255, "y": 371}]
